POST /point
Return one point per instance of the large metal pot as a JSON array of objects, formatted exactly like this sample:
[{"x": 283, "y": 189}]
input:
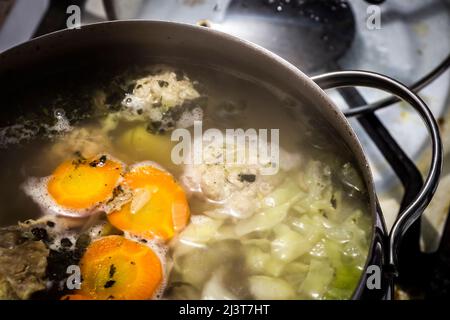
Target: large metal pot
[{"x": 119, "y": 41}]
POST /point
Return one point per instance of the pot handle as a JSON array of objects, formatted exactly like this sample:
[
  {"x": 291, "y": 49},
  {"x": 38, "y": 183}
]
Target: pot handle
[{"x": 377, "y": 81}]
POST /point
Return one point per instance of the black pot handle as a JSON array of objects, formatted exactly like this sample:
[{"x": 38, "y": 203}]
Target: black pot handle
[{"x": 377, "y": 81}]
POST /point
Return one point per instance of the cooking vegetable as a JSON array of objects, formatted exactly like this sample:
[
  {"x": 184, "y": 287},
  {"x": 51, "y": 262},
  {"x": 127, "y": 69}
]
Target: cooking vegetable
[
  {"x": 189, "y": 270},
  {"x": 319, "y": 277},
  {"x": 159, "y": 207},
  {"x": 295, "y": 273},
  {"x": 141, "y": 145},
  {"x": 214, "y": 289},
  {"x": 196, "y": 266},
  {"x": 81, "y": 184},
  {"x": 200, "y": 231},
  {"x": 260, "y": 262},
  {"x": 316, "y": 182},
  {"x": 303, "y": 242},
  {"x": 264, "y": 220},
  {"x": 269, "y": 288},
  {"x": 287, "y": 191},
  {"x": 117, "y": 268},
  {"x": 288, "y": 245}
]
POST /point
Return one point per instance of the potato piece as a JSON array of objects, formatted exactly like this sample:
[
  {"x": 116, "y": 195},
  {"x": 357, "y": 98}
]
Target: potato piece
[{"x": 138, "y": 144}]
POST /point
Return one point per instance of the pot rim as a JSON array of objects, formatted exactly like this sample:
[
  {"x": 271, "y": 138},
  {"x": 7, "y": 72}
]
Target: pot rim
[{"x": 315, "y": 93}]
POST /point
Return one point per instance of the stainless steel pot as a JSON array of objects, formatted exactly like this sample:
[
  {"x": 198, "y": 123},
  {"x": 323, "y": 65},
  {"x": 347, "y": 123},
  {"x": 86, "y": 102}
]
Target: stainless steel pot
[{"x": 147, "y": 40}]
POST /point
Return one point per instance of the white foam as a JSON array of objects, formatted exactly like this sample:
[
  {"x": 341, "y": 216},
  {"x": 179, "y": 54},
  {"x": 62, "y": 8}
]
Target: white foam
[
  {"x": 188, "y": 118},
  {"x": 148, "y": 163},
  {"x": 133, "y": 103},
  {"x": 27, "y": 130},
  {"x": 56, "y": 245},
  {"x": 37, "y": 189},
  {"x": 62, "y": 124},
  {"x": 16, "y": 134}
]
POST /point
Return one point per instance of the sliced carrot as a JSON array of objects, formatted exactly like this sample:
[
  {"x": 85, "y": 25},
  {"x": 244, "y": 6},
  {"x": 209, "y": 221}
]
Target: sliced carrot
[
  {"x": 79, "y": 184},
  {"x": 75, "y": 297},
  {"x": 159, "y": 207},
  {"x": 115, "y": 268}
]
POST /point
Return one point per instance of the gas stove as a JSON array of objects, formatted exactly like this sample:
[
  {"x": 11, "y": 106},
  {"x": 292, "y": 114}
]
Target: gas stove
[{"x": 408, "y": 42}]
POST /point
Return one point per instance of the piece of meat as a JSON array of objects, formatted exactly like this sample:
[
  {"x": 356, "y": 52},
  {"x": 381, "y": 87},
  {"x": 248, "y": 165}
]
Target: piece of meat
[
  {"x": 233, "y": 189},
  {"x": 165, "y": 98},
  {"x": 89, "y": 142},
  {"x": 23, "y": 264}
]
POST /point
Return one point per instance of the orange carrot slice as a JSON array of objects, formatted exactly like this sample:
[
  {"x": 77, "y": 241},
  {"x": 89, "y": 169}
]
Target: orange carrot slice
[
  {"x": 83, "y": 184},
  {"x": 159, "y": 207},
  {"x": 115, "y": 268}
]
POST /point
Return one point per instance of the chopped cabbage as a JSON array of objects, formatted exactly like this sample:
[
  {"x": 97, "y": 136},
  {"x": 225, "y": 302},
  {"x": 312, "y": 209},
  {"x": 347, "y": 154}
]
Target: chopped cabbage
[
  {"x": 305, "y": 240},
  {"x": 316, "y": 182},
  {"x": 260, "y": 262},
  {"x": 269, "y": 288},
  {"x": 288, "y": 245},
  {"x": 214, "y": 289},
  {"x": 284, "y": 193},
  {"x": 264, "y": 220},
  {"x": 318, "y": 279},
  {"x": 194, "y": 268},
  {"x": 295, "y": 273},
  {"x": 200, "y": 231},
  {"x": 309, "y": 228}
]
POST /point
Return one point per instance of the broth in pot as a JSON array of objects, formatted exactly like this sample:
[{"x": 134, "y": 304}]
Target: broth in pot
[{"x": 176, "y": 181}]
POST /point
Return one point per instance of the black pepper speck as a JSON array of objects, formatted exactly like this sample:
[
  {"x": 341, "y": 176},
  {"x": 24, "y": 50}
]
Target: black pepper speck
[
  {"x": 40, "y": 234},
  {"x": 109, "y": 284},
  {"x": 112, "y": 270},
  {"x": 50, "y": 224},
  {"x": 66, "y": 243}
]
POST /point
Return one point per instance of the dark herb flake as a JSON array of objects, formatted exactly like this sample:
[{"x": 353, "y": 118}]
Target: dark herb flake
[
  {"x": 117, "y": 191},
  {"x": 50, "y": 224},
  {"x": 109, "y": 284},
  {"x": 112, "y": 270},
  {"x": 247, "y": 177},
  {"x": 333, "y": 202},
  {"x": 163, "y": 84},
  {"x": 100, "y": 162},
  {"x": 40, "y": 234},
  {"x": 66, "y": 243}
]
